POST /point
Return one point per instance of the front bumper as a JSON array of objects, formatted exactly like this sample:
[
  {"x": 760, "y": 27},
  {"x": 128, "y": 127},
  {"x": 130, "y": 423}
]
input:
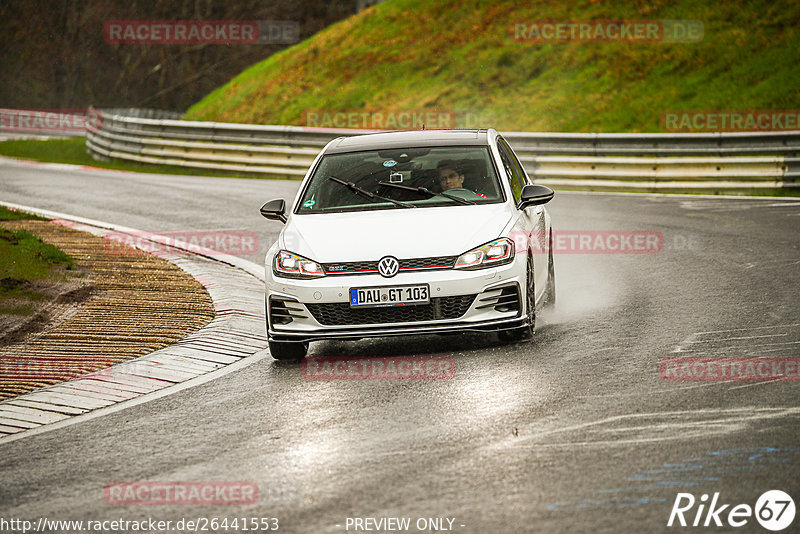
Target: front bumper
[{"x": 482, "y": 300}]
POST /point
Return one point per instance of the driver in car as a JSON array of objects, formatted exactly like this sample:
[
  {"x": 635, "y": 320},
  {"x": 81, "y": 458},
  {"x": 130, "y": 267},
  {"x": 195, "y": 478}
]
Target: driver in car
[{"x": 450, "y": 177}]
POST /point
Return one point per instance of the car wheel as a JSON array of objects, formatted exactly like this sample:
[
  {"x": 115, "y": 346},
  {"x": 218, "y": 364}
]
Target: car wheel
[
  {"x": 288, "y": 350},
  {"x": 524, "y": 332},
  {"x": 550, "y": 293}
]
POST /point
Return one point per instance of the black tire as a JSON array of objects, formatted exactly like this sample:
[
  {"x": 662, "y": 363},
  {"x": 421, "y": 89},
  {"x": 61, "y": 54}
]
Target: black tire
[
  {"x": 288, "y": 350},
  {"x": 524, "y": 332},
  {"x": 550, "y": 293}
]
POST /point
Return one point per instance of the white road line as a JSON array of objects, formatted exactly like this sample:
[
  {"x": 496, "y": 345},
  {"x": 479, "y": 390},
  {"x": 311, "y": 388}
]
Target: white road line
[
  {"x": 720, "y": 339},
  {"x": 657, "y": 391},
  {"x": 662, "y": 196},
  {"x": 760, "y": 383},
  {"x": 745, "y": 329},
  {"x": 706, "y": 421},
  {"x": 778, "y": 348},
  {"x": 692, "y": 338},
  {"x": 776, "y": 344}
]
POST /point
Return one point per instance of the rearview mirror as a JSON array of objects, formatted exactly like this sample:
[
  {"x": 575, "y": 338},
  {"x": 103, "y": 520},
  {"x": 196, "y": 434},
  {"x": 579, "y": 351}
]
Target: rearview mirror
[
  {"x": 274, "y": 209},
  {"x": 535, "y": 195}
]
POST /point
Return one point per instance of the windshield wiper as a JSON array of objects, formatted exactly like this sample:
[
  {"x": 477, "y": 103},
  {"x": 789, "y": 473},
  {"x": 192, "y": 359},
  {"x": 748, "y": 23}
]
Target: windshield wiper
[
  {"x": 426, "y": 191},
  {"x": 372, "y": 196}
]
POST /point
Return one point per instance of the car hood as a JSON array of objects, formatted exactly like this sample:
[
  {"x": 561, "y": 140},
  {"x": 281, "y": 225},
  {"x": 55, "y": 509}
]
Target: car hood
[{"x": 403, "y": 233}]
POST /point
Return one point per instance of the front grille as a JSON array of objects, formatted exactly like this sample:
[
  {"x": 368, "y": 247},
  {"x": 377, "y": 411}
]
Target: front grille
[
  {"x": 428, "y": 263},
  {"x": 370, "y": 267},
  {"x": 340, "y": 313}
]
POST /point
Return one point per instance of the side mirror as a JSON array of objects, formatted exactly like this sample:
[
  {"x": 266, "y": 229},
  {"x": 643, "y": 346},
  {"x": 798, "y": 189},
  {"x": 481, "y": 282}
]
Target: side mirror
[
  {"x": 274, "y": 209},
  {"x": 535, "y": 195}
]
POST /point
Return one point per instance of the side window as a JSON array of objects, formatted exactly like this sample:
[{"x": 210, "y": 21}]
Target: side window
[
  {"x": 522, "y": 172},
  {"x": 514, "y": 172}
]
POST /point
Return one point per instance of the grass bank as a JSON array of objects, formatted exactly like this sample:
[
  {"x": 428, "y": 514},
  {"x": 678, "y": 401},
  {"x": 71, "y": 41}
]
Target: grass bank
[
  {"x": 466, "y": 58},
  {"x": 25, "y": 263}
]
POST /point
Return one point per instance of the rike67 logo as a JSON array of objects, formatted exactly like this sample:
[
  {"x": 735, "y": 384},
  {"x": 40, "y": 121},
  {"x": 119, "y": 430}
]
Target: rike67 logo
[{"x": 774, "y": 510}]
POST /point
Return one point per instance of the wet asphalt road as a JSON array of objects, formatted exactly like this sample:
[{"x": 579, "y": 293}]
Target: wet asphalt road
[{"x": 574, "y": 431}]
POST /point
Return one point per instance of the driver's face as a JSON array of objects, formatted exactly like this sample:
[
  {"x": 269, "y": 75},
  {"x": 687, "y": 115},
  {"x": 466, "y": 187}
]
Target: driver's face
[{"x": 450, "y": 179}]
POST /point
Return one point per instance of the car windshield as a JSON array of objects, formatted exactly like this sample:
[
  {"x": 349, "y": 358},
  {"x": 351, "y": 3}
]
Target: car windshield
[{"x": 402, "y": 178}]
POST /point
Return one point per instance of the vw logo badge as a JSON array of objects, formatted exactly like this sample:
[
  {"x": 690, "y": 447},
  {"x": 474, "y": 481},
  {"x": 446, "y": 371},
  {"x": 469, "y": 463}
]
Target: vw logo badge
[{"x": 388, "y": 266}]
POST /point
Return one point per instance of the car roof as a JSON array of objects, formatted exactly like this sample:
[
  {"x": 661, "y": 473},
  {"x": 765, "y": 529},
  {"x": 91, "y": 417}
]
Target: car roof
[{"x": 408, "y": 139}]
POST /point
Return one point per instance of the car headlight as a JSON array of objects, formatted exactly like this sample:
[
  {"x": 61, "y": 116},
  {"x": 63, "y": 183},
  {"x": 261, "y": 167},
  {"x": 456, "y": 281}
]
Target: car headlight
[
  {"x": 494, "y": 253},
  {"x": 290, "y": 265}
]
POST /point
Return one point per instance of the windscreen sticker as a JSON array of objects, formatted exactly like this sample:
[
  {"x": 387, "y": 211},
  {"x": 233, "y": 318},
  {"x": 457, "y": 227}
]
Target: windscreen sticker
[
  {"x": 308, "y": 203},
  {"x": 389, "y": 163}
]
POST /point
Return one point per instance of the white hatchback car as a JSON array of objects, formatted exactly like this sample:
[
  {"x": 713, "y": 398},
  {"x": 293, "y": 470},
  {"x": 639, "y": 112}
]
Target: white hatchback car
[{"x": 409, "y": 233}]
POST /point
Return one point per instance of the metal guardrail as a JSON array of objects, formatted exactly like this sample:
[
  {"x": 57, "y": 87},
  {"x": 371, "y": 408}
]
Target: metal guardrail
[
  {"x": 143, "y": 113},
  {"x": 658, "y": 144},
  {"x": 630, "y": 161}
]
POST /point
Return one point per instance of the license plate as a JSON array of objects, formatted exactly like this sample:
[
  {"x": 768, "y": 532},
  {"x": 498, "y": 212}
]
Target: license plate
[{"x": 389, "y": 296}]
